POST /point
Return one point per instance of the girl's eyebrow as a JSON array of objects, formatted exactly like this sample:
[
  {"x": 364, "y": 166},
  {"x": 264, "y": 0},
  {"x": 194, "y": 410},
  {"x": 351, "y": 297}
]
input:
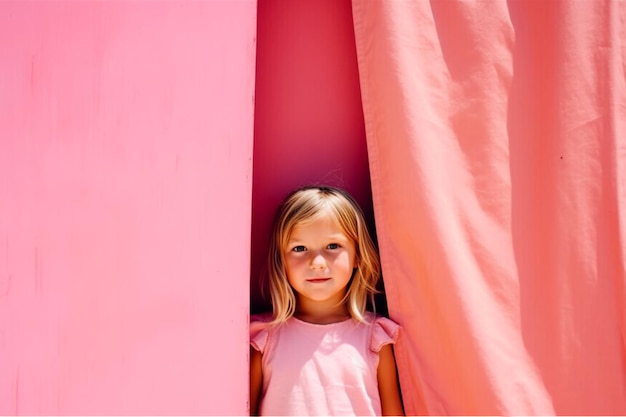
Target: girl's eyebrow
[{"x": 334, "y": 236}]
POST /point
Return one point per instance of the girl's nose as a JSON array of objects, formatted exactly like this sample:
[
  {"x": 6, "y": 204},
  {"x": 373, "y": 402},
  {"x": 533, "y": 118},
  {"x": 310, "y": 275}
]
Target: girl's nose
[{"x": 318, "y": 262}]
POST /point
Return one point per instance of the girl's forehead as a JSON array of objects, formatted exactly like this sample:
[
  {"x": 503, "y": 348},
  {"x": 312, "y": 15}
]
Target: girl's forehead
[
  {"x": 324, "y": 215},
  {"x": 318, "y": 226}
]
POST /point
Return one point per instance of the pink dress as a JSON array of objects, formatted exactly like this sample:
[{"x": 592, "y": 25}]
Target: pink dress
[{"x": 321, "y": 369}]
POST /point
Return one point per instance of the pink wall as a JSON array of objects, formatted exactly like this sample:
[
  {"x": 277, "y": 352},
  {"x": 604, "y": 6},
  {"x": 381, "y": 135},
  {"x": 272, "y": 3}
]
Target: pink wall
[
  {"x": 308, "y": 117},
  {"x": 125, "y": 184}
]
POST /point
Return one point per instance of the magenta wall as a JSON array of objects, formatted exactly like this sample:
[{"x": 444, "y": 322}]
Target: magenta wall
[
  {"x": 125, "y": 189},
  {"x": 308, "y": 117}
]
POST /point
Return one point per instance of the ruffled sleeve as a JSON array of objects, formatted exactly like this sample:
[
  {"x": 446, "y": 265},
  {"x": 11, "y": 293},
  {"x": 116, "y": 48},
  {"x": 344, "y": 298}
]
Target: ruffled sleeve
[
  {"x": 259, "y": 331},
  {"x": 384, "y": 332}
]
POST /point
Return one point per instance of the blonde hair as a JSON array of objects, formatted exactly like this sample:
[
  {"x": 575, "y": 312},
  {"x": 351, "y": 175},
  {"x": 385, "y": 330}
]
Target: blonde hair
[{"x": 303, "y": 205}]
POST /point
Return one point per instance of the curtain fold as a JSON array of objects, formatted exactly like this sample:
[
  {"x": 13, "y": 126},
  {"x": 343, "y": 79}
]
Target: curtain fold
[{"x": 496, "y": 139}]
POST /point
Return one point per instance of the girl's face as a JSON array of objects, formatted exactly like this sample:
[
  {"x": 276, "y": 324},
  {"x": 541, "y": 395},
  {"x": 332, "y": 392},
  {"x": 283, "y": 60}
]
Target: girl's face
[{"x": 319, "y": 260}]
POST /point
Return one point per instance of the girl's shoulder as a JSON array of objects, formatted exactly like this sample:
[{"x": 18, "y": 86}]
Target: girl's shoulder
[
  {"x": 259, "y": 330},
  {"x": 383, "y": 331}
]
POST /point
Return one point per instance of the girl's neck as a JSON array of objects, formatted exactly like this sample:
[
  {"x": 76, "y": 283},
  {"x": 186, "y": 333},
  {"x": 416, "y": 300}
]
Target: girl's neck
[
  {"x": 319, "y": 314},
  {"x": 322, "y": 319}
]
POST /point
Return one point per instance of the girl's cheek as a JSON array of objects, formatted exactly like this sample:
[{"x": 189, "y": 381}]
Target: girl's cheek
[
  {"x": 343, "y": 258},
  {"x": 295, "y": 260}
]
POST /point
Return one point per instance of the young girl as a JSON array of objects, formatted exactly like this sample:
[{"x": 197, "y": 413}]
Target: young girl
[{"x": 321, "y": 353}]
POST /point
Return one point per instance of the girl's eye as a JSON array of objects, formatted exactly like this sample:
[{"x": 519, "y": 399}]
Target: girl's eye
[
  {"x": 299, "y": 249},
  {"x": 333, "y": 246}
]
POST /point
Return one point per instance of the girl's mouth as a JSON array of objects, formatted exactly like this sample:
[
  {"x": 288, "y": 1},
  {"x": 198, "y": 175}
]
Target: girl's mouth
[{"x": 317, "y": 280}]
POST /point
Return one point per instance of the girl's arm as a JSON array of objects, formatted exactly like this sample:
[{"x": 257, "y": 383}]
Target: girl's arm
[
  {"x": 388, "y": 389},
  {"x": 256, "y": 380}
]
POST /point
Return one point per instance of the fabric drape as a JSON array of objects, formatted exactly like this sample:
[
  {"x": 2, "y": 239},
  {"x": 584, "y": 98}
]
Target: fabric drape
[{"x": 497, "y": 144}]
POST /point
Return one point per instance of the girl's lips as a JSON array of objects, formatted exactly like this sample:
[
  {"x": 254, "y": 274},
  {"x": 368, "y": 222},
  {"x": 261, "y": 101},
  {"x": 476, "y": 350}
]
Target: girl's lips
[{"x": 317, "y": 280}]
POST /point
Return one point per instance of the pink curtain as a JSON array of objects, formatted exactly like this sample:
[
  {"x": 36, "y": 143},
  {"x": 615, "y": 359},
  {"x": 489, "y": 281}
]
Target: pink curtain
[{"x": 497, "y": 142}]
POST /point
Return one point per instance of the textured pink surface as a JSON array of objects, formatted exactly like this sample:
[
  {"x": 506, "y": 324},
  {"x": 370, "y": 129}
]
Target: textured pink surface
[
  {"x": 308, "y": 124},
  {"x": 125, "y": 189},
  {"x": 496, "y": 135}
]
